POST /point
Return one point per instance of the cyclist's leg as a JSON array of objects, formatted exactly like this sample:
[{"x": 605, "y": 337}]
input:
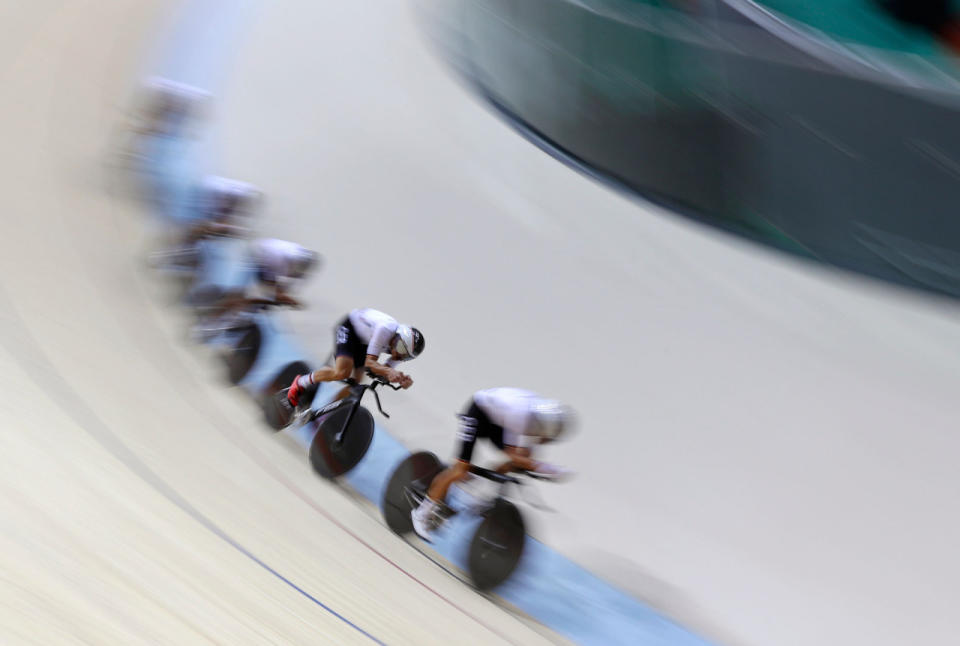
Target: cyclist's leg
[
  {"x": 344, "y": 340},
  {"x": 348, "y": 364},
  {"x": 445, "y": 479},
  {"x": 426, "y": 517},
  {"x": 350, "y": 354},
  {"x": 304, "y": 387},
  {"x": 343, "y": 364},
  {"x": 471, "y": 421}
]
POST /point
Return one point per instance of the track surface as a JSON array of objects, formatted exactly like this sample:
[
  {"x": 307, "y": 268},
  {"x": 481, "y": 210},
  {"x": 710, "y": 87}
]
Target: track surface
[
  {"x": 141, "y": 501},
  {"x": 768, "y": 453}
]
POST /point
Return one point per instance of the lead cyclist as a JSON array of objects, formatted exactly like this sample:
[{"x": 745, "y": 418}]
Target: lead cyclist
[{"x": 513, "y": 420}]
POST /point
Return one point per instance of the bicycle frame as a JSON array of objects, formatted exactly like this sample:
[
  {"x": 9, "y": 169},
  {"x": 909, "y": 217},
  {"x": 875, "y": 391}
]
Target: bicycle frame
[
  {"x": 416, "y": 492},
  {"x": 357, "y": 390}
]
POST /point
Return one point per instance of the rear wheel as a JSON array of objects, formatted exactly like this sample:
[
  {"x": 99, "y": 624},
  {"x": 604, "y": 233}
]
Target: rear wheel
[
  {"x": 331, "y": 459},
  {"x": 244, "y": 354},
  {"x": 413, "y": 475},
  {"x": 276, "y": 411},
  {"x": 497, "y": 546}
]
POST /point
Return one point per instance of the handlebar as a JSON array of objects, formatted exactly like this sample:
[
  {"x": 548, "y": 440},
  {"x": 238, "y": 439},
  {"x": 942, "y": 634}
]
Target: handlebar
[
  {"x": 494, "y": 476},
  {"x": 266, "y": 303},
  {"x": 376, "y": 380},
  {"x": 503, "y": 478},
  {"x": 380, "y": 381}
]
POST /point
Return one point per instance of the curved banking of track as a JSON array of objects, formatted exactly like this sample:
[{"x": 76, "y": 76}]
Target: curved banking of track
[{"x": 142, "y": 501}]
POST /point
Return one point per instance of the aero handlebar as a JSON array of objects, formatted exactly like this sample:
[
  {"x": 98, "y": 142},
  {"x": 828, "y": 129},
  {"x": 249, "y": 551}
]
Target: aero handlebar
[{"x": 377, "y": 381}]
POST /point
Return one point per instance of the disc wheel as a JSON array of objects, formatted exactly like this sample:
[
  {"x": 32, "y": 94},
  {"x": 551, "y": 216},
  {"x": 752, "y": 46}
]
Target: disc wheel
[
  {"x": 329, "y": 459},
  {"x": 416, "y": 472},
  {"x": 497, "y": 546},
  {"x": 276, "y": 412},
  {"x": 244, "y": 354}
]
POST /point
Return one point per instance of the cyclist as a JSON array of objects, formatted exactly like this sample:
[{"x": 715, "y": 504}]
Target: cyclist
[
  {"x": 360, "y": 338},
  {"x": 217, "y": 207},
  {"x": 276, "y": 265},
  {"x": 279, "y": 264},
  {"x": 220, "y": 202},
  {"x": 512, "y": 419},
  {"x": 165, "y": 115}
]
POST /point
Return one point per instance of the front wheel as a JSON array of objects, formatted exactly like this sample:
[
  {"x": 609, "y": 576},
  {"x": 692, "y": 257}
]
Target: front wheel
[
  {"x": 497, "y": 546},
  {"x": 407, "y": 485},
  {"x": 332, "y": 459}
]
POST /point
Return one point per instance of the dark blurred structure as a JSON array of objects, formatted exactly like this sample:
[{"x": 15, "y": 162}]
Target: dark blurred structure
[
  {"x": 840, "y": 147},
  {"x": 932, "y": 15},
  {"x": 938, "y": 17}
]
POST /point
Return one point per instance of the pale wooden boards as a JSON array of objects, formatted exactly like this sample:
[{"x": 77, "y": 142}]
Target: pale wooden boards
[{"x": 141, "y": 501}]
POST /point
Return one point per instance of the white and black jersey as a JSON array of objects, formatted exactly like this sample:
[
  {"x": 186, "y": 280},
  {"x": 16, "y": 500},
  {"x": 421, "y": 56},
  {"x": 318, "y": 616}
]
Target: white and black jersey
[
  {"x": 273, "y": 260},
  {"x": 500, "y": 415},
  {"x": 364, "y": 331}
]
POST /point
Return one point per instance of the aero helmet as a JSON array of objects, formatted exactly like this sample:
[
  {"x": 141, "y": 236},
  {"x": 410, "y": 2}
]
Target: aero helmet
[
  {"x": 549, "y": 419},
  {"x": 409, "y": 342},
  {"x": 301, "y": 261}
]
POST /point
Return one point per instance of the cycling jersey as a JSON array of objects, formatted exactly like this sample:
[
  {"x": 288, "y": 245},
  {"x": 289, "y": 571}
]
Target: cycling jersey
[
  {"x": 500, "y": 415},
  {"x": 374, "y": 328},
  {"x": 364, "y": 331}
]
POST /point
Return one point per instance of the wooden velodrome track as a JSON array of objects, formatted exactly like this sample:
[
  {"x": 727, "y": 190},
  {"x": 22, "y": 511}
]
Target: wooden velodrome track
[{"x": 141, "y": 502}]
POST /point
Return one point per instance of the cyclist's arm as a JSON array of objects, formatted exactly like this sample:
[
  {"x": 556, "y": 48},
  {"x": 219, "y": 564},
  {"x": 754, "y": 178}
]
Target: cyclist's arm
[
  {"x": 211, "y": 228},
  {"x": 520, "y": 460},
  {"x": 379, "y": 343},
  {"x": 282, "y": 295},
  {"x": 196, "y": 232},
  {"x": 377, "y": 368}
]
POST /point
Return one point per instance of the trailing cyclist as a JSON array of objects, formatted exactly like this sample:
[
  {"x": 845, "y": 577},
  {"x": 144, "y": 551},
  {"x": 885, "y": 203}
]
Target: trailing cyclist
[
  {"x": 360, "y": 338},
  {"x": 276, "y": 266}
]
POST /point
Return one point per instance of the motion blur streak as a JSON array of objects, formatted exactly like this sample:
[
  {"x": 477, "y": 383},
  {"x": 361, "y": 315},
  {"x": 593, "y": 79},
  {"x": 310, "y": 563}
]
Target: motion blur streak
[{"x": 832, "y": 139}]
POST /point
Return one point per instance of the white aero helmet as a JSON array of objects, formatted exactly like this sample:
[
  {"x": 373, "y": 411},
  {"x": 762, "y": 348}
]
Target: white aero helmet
[
  {"x": 176, "y": 95},
  {"x": 549, "y": 419},
  {"x": 300, "y": 261},
  {"x": 243, "y": 195},
  {"x": 409, "y": 343},
  {"x": 216, "y": 185}
]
